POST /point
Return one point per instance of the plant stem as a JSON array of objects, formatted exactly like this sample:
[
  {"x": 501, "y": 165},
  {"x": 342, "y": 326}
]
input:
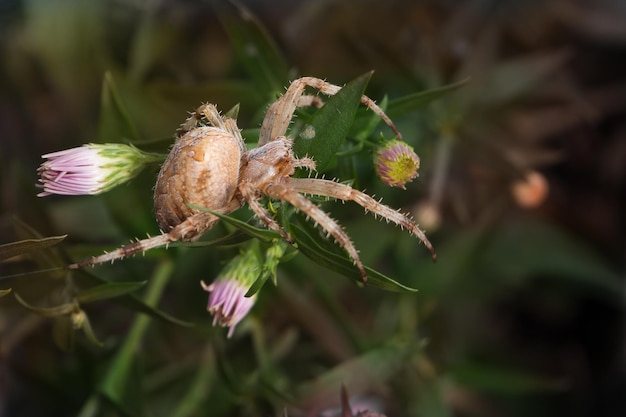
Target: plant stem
[{"x": 116, "y": 382}]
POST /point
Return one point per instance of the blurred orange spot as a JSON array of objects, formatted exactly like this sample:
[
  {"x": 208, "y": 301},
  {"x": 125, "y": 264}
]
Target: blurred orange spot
[{"x": 531, "y": 191}]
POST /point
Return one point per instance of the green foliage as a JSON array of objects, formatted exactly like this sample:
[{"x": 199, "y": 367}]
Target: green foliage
[
  {"x": 255, "y": 49},
  {"x": 120, "y": 384},
  {"x": 260, "y": 233},
  {"x": 137, "y": 336},
  {"x": 329, "y": 125},
  {"x": 326, "y": 254},
  {"x": 9, "y": 250},
  {"x": 420, "y": 99},
  {"x": 115, "y": 122},
  {"x": 110, "y": 290},
  {"x": 496, "y": 379}
]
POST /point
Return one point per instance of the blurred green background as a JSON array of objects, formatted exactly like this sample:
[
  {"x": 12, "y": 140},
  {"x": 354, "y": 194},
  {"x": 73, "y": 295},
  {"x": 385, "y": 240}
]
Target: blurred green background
[{"x": 521, "y": 190}]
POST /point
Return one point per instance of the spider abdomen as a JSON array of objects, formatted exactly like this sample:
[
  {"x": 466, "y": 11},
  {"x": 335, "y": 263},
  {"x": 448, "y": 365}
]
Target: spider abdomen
[{"x": 202, "y": 169}]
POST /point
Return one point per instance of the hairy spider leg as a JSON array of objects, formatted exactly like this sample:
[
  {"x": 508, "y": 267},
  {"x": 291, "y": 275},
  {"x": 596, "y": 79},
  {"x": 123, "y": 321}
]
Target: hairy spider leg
[
  {"x": 279, "y": 114},
  {"x": 344, "y": 192},
  {"x": 249, "y": 186},
  {"x": 190, "y": 227},
  {"x": 225, "y": 123},
  {"x": 194, "y": 119},
  {"x": 250, "y": 194},
  {"x": 213, "y": 116},
  {"x": 286, "y": 192},
  {"x": 309, "y": 100}
]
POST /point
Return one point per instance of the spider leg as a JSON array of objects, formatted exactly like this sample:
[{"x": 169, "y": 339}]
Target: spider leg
[
  {"x": 247, "y": 192},
  {"x": 279, "y": 114},
  {"x": 213, "y": 116},
  {"x": 125, "y": 251},
  {"x": 305, "y": 162},
  {"x": 207, "y": 110},
  {"x": 333, "y": 189},
  {"x": 287, "y": 193},
  {"x": 190, "y": 229},
  {"x": 308, "y": 100}
]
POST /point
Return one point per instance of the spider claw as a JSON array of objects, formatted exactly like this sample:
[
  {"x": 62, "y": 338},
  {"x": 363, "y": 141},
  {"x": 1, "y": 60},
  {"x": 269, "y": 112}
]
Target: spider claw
[{"x": 363, "y": 274}]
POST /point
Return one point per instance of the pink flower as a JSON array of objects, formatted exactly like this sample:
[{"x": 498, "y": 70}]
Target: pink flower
[
  {"x": 91, "y": 168},
  {"x": 396, "y": 163},
  {"x": 227, "y": 302}
]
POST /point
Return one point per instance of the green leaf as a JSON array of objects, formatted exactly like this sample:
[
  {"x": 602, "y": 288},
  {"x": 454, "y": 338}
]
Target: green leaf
[
  {"x": 56, "y": 311},
  {"x": 257, "y": 284},
  {"x": 192, "y": 403},
  {"x": 233, "y": 113},
  {"x": 496, "y": 379},
  {"x": 314, "y": 249},
  {"x": 322, "y": 135},
  {"x": 528, "y": 247},
  {"x": 63, "y": 333},
  {"x": 88, "y": 330},
  {"x": 263, "y": 234},
  {"x": 135, "y": 303},
  {"x": 47, "y": 257},
  {"x": 115, "y": 123},
  {"x": 433, "y": 399},
  {"x": 358, "y": 375},
  {"x": 231, "y": 239},
  {"x": 517, "y": 77},
  {"x": 484, "y": 259},
  {"x": 110, "y": 290},
  {"x": 9, "y": 250},
  {"x": 254, "y": 46},
  {"x": 411, "y": 102},
  {"x": 152, "y": 42},
  {"x": 273, "y": 257},
  {"x": 121, "y": 384}
]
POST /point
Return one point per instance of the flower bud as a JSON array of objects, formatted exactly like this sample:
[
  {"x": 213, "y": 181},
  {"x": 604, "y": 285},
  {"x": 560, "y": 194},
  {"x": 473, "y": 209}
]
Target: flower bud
[
  {"x": 91, "y": 168},
  {"x": 396, "y": 163},
  {"x": 227, "y": 303}
]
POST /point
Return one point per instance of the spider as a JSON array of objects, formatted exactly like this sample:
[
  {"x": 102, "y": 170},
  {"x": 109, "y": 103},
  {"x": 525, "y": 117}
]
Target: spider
[{"x": 209, "y": 166}]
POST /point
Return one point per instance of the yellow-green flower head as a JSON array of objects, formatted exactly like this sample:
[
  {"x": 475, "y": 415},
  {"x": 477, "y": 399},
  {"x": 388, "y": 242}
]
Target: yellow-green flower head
[
  {"x": 396, "y": 163},
  {"x": 91, "y": 168}
]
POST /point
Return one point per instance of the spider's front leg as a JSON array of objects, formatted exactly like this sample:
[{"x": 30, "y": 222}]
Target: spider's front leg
[
  {"x": 212, "y": 115},
  {"x": 279, "y": 114},
  {"x": 209, "y": 111},
  {"x": 344, "y": 192}
]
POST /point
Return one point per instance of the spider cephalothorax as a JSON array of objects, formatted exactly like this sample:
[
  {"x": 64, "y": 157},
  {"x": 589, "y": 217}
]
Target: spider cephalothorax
[{"x": 209, "y": 167}]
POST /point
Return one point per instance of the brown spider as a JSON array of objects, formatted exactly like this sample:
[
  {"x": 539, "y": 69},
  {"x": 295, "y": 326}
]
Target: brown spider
[{"x": 210, "y": 167}]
